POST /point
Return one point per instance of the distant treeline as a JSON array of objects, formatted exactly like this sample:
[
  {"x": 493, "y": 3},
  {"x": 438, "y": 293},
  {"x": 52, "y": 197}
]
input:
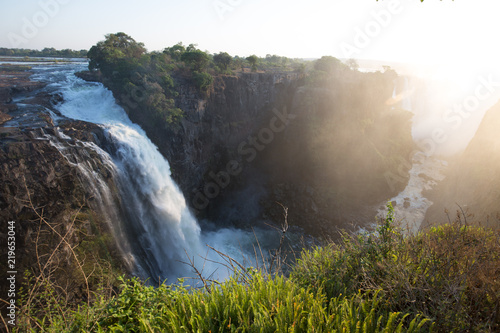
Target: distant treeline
[{"x": 46, "y": 52}]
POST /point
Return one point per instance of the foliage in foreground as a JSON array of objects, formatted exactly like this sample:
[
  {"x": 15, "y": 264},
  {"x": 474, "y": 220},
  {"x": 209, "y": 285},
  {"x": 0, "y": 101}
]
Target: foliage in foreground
[
  {"x": 448, "y": 273},
  {"x": 441, "y": 280},
  {"x": 260, "y": 305}
]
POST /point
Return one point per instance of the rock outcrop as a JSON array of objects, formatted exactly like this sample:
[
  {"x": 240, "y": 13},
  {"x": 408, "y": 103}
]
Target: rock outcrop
[{"x": 13, "y": 81}]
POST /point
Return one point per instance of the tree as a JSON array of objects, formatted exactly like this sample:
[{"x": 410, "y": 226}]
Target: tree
[
  {"x": 175, "y": 51},
  {"x": 203, "y": 80},
  {"x": 47, "y": 52},
  {"x": 196, "y": 59},
  {"x": 328, "y": 64},
  {"x": 223, "y": 60},
  {"x": 117, "y": 52},
  {"x": 253, "y": 59},
  {"x": 352, "y": 64}
]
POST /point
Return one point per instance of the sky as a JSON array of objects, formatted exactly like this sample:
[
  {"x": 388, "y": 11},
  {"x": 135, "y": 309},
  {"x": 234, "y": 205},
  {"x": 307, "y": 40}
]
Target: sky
[
  {"x": 456, "y": 40},
  {"x": 447, "y": 31}
]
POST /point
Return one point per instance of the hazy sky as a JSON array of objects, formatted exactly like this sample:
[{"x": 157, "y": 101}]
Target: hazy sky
[
  {"x": 455, "y": 35},
  {"x": 402, "y": 30}
]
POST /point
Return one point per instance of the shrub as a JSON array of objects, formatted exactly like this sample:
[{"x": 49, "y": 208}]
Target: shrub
[
  {"x": 448, "y": 273},
  {"x": 444, "y": 279}
]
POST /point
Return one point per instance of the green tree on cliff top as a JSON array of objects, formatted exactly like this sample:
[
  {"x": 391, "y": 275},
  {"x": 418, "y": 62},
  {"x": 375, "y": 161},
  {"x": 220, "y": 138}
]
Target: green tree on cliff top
[{"x": 118, "y": 52}]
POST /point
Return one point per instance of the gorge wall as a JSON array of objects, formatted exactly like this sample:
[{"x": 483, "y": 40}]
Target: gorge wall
[{"x": 320, "y": 144}]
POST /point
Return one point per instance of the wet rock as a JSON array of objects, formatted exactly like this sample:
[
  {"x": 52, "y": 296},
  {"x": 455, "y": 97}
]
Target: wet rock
[
  {"x": 45, "y": 99},
  {"x": 94, "y": 76},
  {"x": 37, "y": 181}
]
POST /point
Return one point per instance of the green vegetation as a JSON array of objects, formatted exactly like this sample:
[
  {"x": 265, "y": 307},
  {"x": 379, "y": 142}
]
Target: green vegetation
[
  {"x": 441, "y": 280},
  {"x": 14, "y": 68},
  {"x": 449, "y": 273},
  {"x": 147, "y": 83},
  {"x": 196, "y": 59},
  {"x": 222, "y": 61},
  {"x": 253, "y": 60},
  {"x": 139, "y": 79},
  {"x": 46, "y": 52}
]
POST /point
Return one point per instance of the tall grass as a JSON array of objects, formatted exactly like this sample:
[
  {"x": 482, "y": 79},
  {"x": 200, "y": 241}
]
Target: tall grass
[
  {"x": 262, "y": 305},
  {"x": 443, "y": 280}
]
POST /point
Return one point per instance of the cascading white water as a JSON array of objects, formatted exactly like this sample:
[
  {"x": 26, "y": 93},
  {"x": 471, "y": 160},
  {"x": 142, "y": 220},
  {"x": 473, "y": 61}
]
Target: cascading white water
[
  {"x": 154, "y": 225},
  {"x": 163, "y": 227},
  {"x": 96, "y": 186},
  {"x": 406, "y": 103}
]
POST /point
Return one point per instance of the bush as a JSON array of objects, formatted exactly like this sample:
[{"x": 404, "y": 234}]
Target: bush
[{"x": 202, "y": 80}]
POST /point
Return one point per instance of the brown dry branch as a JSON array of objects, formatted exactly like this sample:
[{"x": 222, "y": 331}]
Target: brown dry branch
[
  {"x": 277, "y": 257},
  {"x": 198, "y": 273},
  {"x": 63, "y": 239},
  {"x": 47, "y": 264}
]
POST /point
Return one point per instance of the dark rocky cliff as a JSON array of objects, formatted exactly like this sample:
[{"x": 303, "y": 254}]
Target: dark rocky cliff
[
  {"x": 256, "y": 139},
  {"x": 473, "y": 179}
]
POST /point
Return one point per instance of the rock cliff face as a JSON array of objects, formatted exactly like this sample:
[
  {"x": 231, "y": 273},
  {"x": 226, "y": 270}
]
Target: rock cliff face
[
  {"x": 473, "y": 180},
  {"x": 212, "y": 135},
  {"x": 30, "y": 162},
  {"x": 255, "y": 139}
]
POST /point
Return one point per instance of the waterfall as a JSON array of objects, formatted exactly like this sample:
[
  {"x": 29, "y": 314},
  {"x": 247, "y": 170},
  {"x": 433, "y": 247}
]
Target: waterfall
[
  {"x": 77, "y": 154},
  {"x": 407, "y": 94},
  {"x": 155, "y": 218},
  {"x": 146, "y": 212}
]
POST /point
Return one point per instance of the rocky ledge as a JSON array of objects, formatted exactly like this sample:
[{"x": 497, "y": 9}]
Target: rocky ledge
[{"x": 14, "y": 80}]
